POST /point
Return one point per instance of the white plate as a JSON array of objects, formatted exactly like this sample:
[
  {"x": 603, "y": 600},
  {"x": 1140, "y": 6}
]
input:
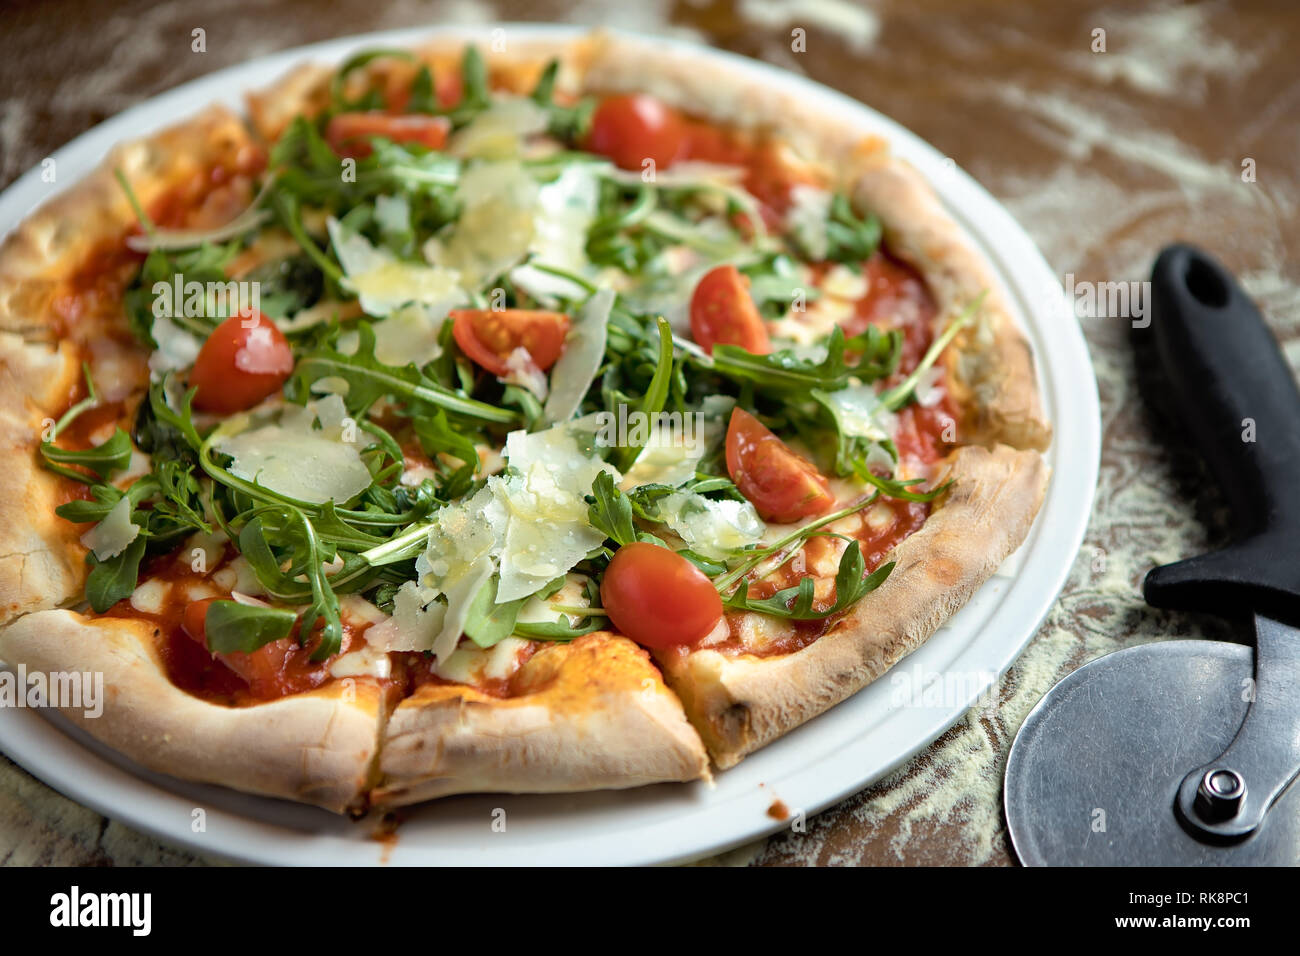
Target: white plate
[{"x": 809, "y": 769}]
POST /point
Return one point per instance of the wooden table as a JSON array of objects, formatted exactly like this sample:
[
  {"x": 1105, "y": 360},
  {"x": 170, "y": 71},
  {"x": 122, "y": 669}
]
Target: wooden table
[{"x": 1107, "y": 129}]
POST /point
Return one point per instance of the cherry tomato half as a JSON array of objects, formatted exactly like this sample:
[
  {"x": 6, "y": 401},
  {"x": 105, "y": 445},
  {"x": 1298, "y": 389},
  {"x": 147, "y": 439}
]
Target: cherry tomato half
[
  {"x": 722, "y": 313},
  {"x": 658, "y": 598},
  {"x": 245, "y": 359},
  {"x": 348, "y": 133},
  {"x": 783, "y": 485},
  {"x": 630, "y": 129},
  {"x": 488, "y": 337}
]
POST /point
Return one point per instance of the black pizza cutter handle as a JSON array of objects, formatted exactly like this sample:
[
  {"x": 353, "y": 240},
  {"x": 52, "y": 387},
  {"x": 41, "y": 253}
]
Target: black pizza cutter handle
[{"x": 1238, "y": 402}]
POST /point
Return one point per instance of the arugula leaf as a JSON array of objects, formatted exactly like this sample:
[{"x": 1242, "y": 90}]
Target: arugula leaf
[
  {"x": 423, "y": 98},
  {"x": 112, "y": 455},
  {"x": 869, "y": 356},
  {"x": 796, "y": 603},
  {"x": 656, "y": 394},
  {"x": 558, "y": 631},
  {"x": 306, "y": 557},
  {"x": 567, "y": 123},
  {"x": 488, "y": 622},
  {"x": 112, "y": 580},
  {"x": 853, "y": 239},
  {"x": 610, "y": 511},
  {"x": 163, "y": 432},
  {"x": 370, "y": 379},
  {"x": 898, "y": 396},
  {"x": 231, "y": 626}
]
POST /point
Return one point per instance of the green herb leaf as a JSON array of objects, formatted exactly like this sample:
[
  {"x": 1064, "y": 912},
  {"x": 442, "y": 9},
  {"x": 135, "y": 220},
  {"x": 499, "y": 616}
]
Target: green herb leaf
[
  {"x": 104, "y": 459},
  {"x": 610, "y": 511},
  {"x": 796, "y": 603},
  {"x": 231, "y": 626},
  {"x": 488, "y": 622},
  {"x": 112, "y": 580}
]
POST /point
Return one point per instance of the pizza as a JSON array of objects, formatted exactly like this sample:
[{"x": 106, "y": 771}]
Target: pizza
[{"x": 576, "y": 417}]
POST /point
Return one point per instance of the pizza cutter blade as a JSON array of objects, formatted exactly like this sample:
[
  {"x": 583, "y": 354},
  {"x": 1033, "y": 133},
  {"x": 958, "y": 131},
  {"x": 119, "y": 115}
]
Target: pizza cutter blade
[{"x": 1186, "y": 752}]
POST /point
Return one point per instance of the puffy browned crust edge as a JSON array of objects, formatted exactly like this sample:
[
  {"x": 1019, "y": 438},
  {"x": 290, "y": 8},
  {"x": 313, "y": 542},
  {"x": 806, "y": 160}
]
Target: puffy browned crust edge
[
  {"x": 741, "y": 702},
  {"x": 316, "y": 748},
  {"x": 592, "y": 715},
  {"x": 41, "y": 556}
]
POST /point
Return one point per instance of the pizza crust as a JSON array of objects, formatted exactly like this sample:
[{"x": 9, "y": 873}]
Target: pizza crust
[
  {"x": 41, "y": 556},
  {"x": 741, "y": 702},
  {"x": 590, "y": 715},
  {"x": 316, "y": 748}
]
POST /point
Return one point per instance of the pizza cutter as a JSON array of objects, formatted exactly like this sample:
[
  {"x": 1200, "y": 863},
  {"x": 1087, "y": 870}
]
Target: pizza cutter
[{"x": 1185, "y": 752}]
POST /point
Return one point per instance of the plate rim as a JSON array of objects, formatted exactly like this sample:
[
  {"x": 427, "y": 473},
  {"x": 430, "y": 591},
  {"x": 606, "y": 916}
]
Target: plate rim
[{"x": 1018, "y": 265}]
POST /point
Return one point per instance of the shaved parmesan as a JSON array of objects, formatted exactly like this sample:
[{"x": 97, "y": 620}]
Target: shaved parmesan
[
  {"x": 114, "y": 533},
  {"x": 410, "y": 334},
  {"x": 393, "y": 214},
  {"x": 292, "y": 458},
  {"x": 416, "y": 621},
  {"x": 546, "y": 514},
  {"x": 455, "y": 565},
  {"x": 177, "y": 348},
  {"x": 861, "y": 414},
  {"x": 496, "y": 225},
  {"x": 565, "y": 211},
  {"x": 929, "y": 388},
  {"x": 383, "y": 282},
  {"x": 584, "y": 352},
  {"x": 713, "y": 528},
  {"x": 806, "y": 220},
  {"x": 523, "y": 371},
  {"x": 500, "y": 131}
]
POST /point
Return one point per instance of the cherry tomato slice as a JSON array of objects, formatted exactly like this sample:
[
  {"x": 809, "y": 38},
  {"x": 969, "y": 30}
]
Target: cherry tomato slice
[
  {"x": 657, "y": 598},
  {"x": 488, "y": 337},
  {"x": 245, "y": 359},
  {"x": 630, "y": 129},
  {"x": 722, "y": 313},
  {"x": 348, "y": 133},
  {"x": 783, "y": 485}
]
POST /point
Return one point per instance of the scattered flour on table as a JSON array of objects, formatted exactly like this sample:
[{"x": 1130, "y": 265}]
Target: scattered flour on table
[
  {"x": 1165, "y": 51},
  {"x": 855, "y": 24}
]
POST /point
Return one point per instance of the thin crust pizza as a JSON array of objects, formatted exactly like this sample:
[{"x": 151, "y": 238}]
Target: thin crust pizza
[{"x": 575, "y": 418}]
